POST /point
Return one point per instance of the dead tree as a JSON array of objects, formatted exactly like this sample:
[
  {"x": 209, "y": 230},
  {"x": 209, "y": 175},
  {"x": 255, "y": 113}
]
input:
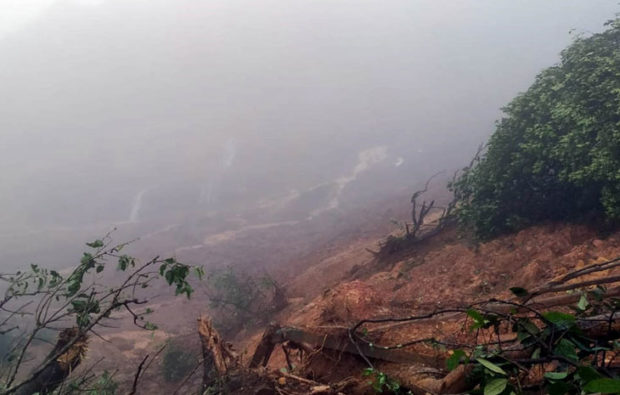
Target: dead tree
[
  {"x": 218, "y": 357},
  {"x": 418, "y": 215},
  {"x": 222, "y": 369}
]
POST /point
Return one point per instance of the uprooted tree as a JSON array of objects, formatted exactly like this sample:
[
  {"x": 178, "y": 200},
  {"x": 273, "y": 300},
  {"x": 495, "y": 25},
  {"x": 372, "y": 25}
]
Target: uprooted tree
[
  {"x": 74, "y": 305},
  {"x": 423, "y": 225}
]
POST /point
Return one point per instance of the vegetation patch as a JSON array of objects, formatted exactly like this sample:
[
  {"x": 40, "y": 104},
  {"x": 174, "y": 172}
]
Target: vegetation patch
[
  {"x": 555, "y": 155},
  {"x": 178, "y": 362},
  {"x": 242, "y": 300}
]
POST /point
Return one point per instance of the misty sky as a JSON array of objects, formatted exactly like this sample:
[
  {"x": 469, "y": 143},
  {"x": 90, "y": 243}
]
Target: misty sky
[{"x": 229, "y": 101}]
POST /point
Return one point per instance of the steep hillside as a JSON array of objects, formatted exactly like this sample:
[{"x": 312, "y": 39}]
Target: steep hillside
[
  {"x": 354, "y": 285},
  {"x": 445, "y": 270}
]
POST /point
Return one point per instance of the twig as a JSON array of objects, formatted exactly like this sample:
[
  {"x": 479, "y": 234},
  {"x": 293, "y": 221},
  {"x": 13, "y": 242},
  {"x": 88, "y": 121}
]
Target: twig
[{"x": 134, "y": 386}]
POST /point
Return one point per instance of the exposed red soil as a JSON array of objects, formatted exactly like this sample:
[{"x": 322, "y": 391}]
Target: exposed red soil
[{"x": 444, "y": 271}]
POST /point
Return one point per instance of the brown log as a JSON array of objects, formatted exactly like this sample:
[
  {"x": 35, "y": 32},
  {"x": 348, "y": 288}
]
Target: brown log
[
  {"x": 340, "y": 342},
  {"x": 454, "y": 382},
  {"x": 57, "y": 371},
  {"x": 543, "y": 304},
  {"x": 265, "y": 347},
  {"x": 583, "y": 284},
  {"x": 218, "y": 356}
]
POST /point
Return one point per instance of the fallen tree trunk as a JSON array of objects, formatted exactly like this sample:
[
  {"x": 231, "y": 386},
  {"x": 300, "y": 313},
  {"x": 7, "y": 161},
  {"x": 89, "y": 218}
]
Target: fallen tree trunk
[
  {"x": 218, "y": 357},
  {"x": 222, "y": 370},
  {"x": 265, "y": 347},
  {"x": 341, "y": 342},
  {"x": 57, "y": 371}
]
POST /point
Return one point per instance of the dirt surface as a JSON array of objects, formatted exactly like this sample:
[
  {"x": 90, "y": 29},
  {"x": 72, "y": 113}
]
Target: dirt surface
[
  {"x": 334, "y": 283},
  {"x": 445, "y": 271}
]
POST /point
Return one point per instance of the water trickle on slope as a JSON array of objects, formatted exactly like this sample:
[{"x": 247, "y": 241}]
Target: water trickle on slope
[
  {"x": 365, "y": 160},
  {"x": 134, "y": 215}
]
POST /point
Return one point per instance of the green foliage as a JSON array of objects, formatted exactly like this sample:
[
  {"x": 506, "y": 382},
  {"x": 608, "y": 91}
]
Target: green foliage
[
  {"x": 90, "y": 384},
  {"x": 176, "y": 274},
  {"x": 38, "y": 299},
  {"x": 383, "y": 384},
  {"x": 105, "y": 385},
  {"x": 550, "y": 336},
  {"x": 457, "y": 357},
  {"x": 241, "y": 300},
  {"x": 603, "y": 386},
  {"x": 178, "y": 362},
  {"x": 555, "y": 155}
]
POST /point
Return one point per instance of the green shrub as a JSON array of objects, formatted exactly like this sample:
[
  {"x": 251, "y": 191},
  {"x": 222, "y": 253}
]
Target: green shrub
[
  {"x": 239, "y": 300},
  {"x": 104, "y": 385},
  {"x": 178, "y": 362},
  {"x": 555, "y": 155}
]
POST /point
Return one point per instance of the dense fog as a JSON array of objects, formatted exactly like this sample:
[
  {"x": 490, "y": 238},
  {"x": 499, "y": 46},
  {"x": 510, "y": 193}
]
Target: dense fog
[{"x": 160, "y": 115}]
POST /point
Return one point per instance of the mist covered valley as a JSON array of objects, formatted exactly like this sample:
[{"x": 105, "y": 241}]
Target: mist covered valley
[
  {"x": 276, "y": 141},
  {"x": 185, "y": 120}
]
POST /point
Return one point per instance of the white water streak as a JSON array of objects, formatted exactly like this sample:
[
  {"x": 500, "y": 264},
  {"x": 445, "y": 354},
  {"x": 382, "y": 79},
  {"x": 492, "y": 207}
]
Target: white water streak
[
  {"x": 136, "y": 206},
  {"x": 365, "y": 159}
]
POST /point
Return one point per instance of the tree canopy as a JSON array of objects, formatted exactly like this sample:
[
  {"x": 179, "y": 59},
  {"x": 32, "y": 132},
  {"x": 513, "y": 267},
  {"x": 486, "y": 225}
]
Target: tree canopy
[{"x": 555, "y": 154}]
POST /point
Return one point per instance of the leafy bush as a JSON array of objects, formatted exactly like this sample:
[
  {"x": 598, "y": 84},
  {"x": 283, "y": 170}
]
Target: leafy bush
[
  {"x": 579, "y": 364},
  {"x": 38, "y": 302},
  {"x": 555, "y": 155},
  {"x": 382, "y": 383},
  {"x": 104, "y": 385},
  {"x": 242, "y": 300},
  {"x": 178, "y": 362}
]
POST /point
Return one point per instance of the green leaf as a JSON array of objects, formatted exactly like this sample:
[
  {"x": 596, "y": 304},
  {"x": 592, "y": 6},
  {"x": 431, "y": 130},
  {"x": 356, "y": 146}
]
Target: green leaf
[
  {"x": 479, "y": 320},
  {"x": 562, "y": 321},
  {"x": 566, "y": 349},
  {"x": 583, "y": 303},
  {"x": 604, "y": 386},
  {"x": 453, "y": 361},
  {"x": 556, "y": 375},
  {"x": 73, "y": 287},
  {"x": 495, "y": 387},
  {"x": 95, "y": 244},
  {"x": 525, "y": 328},
  {"x": 519, "y": 292},
  {"x": 558, "y": 388},
  {"x": 588, "y": 373},
  {"x": 125, "y": 261},
  {"x": 200, "y": 272},
  {"x": 88, "y": 260},
  {"x": 99, "y": 268},
  {"x": 368, "y": 372},
  {"x": 475, "y": 315},
  {"x": 491, "y": 366}
]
